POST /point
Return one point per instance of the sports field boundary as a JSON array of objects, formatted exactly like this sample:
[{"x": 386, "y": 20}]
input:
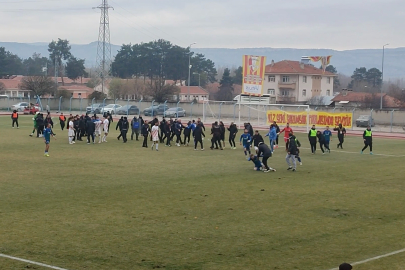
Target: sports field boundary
[
  {"x": 374, "y": 258},
  {"x": 31, "y": 262}
]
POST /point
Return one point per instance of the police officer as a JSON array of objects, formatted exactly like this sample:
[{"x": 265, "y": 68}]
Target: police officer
[
  {"x": 312, "y": 138},
  {"x": 14, "y": 118},
  {"x": 368, "y": 140}
]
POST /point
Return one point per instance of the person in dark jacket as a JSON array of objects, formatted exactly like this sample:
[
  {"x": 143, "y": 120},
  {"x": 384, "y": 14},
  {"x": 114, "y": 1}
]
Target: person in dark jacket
[
  {"x": 48, "y": 120},
  {"x": 40, "y": 124},
  {"x": 222, "y": 134},
  {"x": 90, "y": 129},
  {"x": 168, "y": 132},
  {"x": 256, "y": 139},
  {"x": 216, "y": 136},
  {"x": 341, "y": 135},
  {"x": 368, "y": 140},
  {"x": 233, "y": 129},
  {"x": 201, "y": 123},
  {"x": 322, "y": 142},
  {"x": 14, "y": 118},
  {"x": 292, "y": 152},
  {"x": 82, "y": 128},
  {"x": 264, "y": 150},
  {"x": 119, "y": 126},
  {"x": 312, "y": 138},
  {"x": 178, "y": 129},
  {"x": 145, "y": 131},
  {"x": 135, "y": 127},
  {"x": 198, "y": 135},
  {"x": 124, "y": 129},
  {"x": 162, "y": 134},
  {"x": 187, "y": 134},
  {"x": 249, "y": 127},
  {"x": 277, "y": 131}
]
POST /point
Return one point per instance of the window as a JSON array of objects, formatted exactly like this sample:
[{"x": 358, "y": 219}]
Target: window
[
  {"x": 271, "y": 92},
  {"x": 285, "y": 93},
  {"x": 328, "y": 79},
  {"x": 286, "y": 79},
  {"x": 304, "y": 93},
  {"x": 304, "y": 79},
  {"x": 272, "y": 79},
  {"x": 328, "y": 92}
]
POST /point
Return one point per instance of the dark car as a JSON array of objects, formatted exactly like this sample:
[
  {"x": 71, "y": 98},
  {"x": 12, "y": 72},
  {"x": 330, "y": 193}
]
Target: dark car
[
  {"x": 364, "y": 121},
  {"x": 157, "y": 110},
  {"x": 130, "y": 109}
]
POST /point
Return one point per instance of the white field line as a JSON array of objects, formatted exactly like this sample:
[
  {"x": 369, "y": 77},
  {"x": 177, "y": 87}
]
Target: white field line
[
  {"x": 375, "y": 258},
  {"x": 31, "y": 262},
  {"x": 347, "y": 152}
]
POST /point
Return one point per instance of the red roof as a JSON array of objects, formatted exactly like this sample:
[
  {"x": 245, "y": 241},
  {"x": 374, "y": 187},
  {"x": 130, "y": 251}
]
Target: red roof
[
  {"x": 76, "y": 87},
  {"x": 360, "y": 97},
  {"x": 295, "y": 67},
  {"x": 194, "y": 90},
  {"x": 12, "y": 83}
]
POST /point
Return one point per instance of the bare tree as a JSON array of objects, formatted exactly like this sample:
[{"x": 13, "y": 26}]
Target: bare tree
[
  {"x": 161, "y": 92},
  {"x": 39, "y": 85},
  {"x": 2, "y": 86}
]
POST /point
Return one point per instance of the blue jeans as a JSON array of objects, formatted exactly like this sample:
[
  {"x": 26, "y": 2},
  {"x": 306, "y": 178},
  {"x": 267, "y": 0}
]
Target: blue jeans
[{"x": 272, "y": 142}]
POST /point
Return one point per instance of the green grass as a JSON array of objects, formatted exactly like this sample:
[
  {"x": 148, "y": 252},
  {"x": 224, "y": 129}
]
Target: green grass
[{"x": 120, "y": 206}]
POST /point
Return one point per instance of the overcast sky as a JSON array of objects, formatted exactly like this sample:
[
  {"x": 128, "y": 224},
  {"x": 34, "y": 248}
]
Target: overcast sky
[{"x": 332, "y": 24}]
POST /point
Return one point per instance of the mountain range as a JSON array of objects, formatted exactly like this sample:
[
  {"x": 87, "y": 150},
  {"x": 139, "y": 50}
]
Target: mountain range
[{"x": 345, "y": 61}]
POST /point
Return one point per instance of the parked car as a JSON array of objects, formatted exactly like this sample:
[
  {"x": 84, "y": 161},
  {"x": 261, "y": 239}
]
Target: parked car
[
  {"x": 131, "y": 109},
  {"x": 19, "y": 107},
  {"x": 175, "y": 112},
  {"x": 110, "y": 108},
  {"x": 95, "y": 108},
  {"x": 364, "y": 121},
  {"x": 157, "y": 110}
]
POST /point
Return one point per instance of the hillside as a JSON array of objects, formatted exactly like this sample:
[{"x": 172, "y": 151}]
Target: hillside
[{"x": 344, "y": 61}]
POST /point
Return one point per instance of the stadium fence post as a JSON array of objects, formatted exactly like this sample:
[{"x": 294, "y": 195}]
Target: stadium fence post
[
  {"x": 8, "y": 103},
  {"x": 115, "y": 103},
  {"x": 204, "y": 109},
  {"x": 240, "y": 100},
  {"x": 140, "y": 103},
  {"x": 177, "y": 109},
  {"x": 353, "y": 118},
  {"x": 219, "y": 114},
  {"x": 191, "y": 110},
  {"x": 392, "y": 119},
  {"x": 127, "y": 106},
  {"x": 70, "y": 104},
  {"x": 371, "y": 117},
  {"x": 60, "y": 102},
  {"x": 48, "y": 103},
  {"x": 164, "y": 108},
  {"x": 80, "y": 105},
  {"x": 234, "y": 109},
  {"x": 92, "y": 102},
  {"x": 29, "y": 99}
]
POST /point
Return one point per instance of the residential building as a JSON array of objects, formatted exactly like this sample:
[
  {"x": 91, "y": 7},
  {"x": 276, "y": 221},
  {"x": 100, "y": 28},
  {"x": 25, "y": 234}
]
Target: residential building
[
  {"x": 295, "y": 82},
  {"x": 12, "y": 87},
  {"x": 350, "y": 99},
  {"x": 196, "y": 93}
]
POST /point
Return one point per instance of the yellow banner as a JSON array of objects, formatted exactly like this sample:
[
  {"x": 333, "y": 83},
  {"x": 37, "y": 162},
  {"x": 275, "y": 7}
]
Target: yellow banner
[
  {"x": 320, "y": 119},
  {"x": 253, "y": 74}
]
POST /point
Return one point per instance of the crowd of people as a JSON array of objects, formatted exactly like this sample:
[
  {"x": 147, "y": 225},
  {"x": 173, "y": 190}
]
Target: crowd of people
[{"x": 168, "y": 131}]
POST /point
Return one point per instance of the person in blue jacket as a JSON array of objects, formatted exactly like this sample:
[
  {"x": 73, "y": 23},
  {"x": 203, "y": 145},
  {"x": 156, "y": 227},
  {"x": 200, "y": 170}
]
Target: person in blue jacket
[
  {"x": 272, "y": 136},
  {"x": 327, "y": 134},
  {"x": 245, "y": 140},
  {"x": 256, "y": 161}
]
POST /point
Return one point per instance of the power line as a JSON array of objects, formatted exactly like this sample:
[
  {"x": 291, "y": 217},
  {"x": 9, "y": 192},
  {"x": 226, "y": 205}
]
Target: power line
[{"x": 39, "y": 9}]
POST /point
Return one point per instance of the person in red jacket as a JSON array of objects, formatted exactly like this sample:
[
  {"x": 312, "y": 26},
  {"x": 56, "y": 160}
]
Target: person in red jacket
[
  {"x": 14, "y": 117},
  {"x": 287, "y": 130}
]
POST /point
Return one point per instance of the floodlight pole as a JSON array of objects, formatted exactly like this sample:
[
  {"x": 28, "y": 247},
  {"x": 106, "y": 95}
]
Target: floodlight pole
[
  {"x": 189, "y": 70},
  {"x": 382, "y": 76}
]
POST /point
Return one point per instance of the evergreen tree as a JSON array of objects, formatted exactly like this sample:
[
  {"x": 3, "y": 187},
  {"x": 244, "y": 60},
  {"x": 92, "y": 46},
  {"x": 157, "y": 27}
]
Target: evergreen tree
[{"x": 225, "y": 91}]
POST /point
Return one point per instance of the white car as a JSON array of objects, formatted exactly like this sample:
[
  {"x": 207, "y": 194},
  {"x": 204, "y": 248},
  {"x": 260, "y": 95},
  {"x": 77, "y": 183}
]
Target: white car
[
  {"x": 19, "y": 107},
  {"x": 111, "y": 108}
]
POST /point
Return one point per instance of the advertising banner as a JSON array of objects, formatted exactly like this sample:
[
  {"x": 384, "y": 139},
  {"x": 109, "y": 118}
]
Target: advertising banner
[
  {"x": 253, "y": 74},
  {"x": 320, "y": 119}
]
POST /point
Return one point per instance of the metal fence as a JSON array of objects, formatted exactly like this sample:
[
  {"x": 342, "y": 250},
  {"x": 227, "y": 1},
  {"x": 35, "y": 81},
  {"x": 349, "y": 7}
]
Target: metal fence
[{"x": 385, "y": 120}]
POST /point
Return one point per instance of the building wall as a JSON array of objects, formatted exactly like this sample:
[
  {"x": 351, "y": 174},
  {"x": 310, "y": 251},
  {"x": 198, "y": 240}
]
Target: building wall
[
  {"x": 327, "y": 85},
  {"x": 304, "y": 87},
  {"x": 183, "y": 97}
]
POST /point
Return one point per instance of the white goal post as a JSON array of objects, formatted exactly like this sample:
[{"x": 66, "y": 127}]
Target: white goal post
[{"x": 255, "y": 112}]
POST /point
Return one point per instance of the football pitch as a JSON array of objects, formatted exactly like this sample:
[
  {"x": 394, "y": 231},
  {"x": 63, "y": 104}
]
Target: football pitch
[{"x": 121, "y": 206}]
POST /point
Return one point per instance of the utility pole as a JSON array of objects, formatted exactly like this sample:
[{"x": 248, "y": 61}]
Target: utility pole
[
  {"x": 382, "y": 77},
  {"x": 189, "y": 70},
  {"x": 104, "y": 45}
]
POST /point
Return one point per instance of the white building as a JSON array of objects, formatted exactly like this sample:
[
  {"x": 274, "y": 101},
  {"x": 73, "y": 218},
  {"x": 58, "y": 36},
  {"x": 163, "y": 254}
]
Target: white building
[{"x": 295, "y": 82}]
